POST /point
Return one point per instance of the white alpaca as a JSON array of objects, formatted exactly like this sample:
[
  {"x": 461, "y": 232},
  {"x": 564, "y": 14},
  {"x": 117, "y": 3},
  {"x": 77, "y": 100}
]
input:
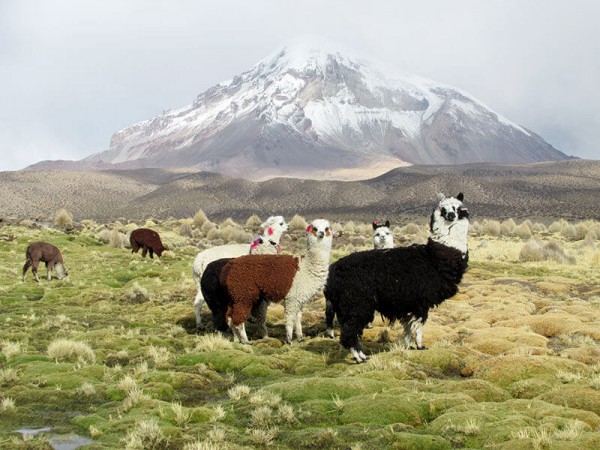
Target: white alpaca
[
  {"x": 382, "y": 236},
  {"x": 267, "y": 243},
  {"x": 250, "y": 280}
]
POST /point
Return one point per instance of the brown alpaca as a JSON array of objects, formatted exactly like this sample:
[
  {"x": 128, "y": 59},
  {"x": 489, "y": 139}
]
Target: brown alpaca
[
  {"x": 48, "y": 254},
  {"x": 251, "y": 279},
  {"x": 148, "y": 240}
]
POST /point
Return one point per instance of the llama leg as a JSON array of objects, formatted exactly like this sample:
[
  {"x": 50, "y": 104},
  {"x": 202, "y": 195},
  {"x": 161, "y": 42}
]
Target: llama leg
[
  {"x": 418, "y": 327},
  {"x": 329, "y": 317},
  {"x": 144, "y": 251},
  {"x": 49, "y": 268},
  {"x": 26, "y": 267},
  {"x": 151, "y": 251},
  {"x": 260, "y": 313},
  {"x": 34, "y": 270},
  {"x": 198, "y": 305},
  {"x": 240, "y": 332},
  {"x": 349, "y": 338},
  {"x": 407, "y": 333},
  {"x": 290, "y": 315},
  {"x": 298, "y": 325}
]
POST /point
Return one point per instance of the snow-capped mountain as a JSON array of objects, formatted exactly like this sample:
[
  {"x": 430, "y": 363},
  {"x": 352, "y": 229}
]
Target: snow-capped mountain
[{"x": 316, "y": 111}]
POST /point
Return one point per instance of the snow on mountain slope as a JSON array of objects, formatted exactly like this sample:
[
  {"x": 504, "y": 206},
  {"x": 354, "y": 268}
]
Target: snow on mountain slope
[{"x": 315, "y": 110}]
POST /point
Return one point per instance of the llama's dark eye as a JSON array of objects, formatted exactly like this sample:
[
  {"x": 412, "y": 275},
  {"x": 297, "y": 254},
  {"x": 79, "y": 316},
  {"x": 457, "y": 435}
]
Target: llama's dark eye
[{"x": 281, "y": 223}]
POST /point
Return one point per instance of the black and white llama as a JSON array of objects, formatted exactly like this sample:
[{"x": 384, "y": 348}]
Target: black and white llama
[{"x": 401, "y": 283}]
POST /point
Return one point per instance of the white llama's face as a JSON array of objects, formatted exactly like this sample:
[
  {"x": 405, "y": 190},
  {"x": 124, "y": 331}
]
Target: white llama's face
[
  {"x": 274, "y": 227},
  {"x": 319, "y": 232},
  {"x": 383, "y": 238}
]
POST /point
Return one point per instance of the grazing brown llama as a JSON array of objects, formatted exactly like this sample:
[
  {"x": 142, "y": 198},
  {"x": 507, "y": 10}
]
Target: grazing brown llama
[
  {"x": 48, "y": 254},
  {"x": 148, "y": 240}
]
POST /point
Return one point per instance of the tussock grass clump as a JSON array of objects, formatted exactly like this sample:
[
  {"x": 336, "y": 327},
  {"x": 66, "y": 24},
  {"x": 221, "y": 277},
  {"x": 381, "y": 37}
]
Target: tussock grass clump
[
  {"x": 217, "y": 414},
  {"x": 297, "y": 223},
  {"x": 557, "y": 227},
  {"x": 491, "y": 227},
  {"x": 87, "y": 389},
  {"x": 203, "y": 445},
  {"x": 207, "y": 226},
  {"x": 253, "y": 221},
  {"x": 160, "y": 355},
  {"x": 410, "y": 229},
  {"x": 213, "y": 234},
  {"x": 212, "y": 342},
  {"x": 523, "y": 231},
  {"x": 8, "y": 376},
  {"x": 264, "y": 436},
  {"x": 186, "y": 229},
  {"x": 537, "y": 250},
  {"x": 238, "y": 392},
  {"x": 229, "y": 222},
  {"x": 349, "y": 227},
  {"x": 7, "y": 404},
  {"x": 146, "y": 435},
  {"x": 11, "y": 349},
  {"x": 199, "y": 219},
  {"x": 507, "y": 227},
  {"x": 181, "y": 414},
  {"x": 71, "y": 351},
  {"x": 63, "y": 219}
]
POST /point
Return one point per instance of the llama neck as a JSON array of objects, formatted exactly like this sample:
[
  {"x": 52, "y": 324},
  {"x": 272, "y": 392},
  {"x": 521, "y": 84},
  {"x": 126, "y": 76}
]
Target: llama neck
[
  {"x": 452, "y": 235},
  {"x": 316, "y": 260}
]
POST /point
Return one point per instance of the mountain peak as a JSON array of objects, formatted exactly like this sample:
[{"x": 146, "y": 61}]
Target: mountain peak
[{"x": 314, "y": 109}]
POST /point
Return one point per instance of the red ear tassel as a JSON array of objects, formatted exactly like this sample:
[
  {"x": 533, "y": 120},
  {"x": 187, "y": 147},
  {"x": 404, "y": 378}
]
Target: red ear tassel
[
  {"x": 269, "y": 231},
  {"x": 308, "y": 228}
]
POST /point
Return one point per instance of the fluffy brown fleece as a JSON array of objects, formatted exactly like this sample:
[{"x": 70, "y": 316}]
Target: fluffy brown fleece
[
  {"x": 46, "y": 253},
  {"x": 252, "y": 278},
  {"x": 148, "y": 240}
]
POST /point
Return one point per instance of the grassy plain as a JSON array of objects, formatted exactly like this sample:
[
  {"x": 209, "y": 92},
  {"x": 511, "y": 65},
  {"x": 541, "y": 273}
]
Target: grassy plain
[{"x": 110, "y": 353}]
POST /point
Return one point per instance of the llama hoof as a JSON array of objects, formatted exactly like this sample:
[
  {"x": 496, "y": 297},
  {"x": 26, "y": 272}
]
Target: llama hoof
[
  {"x": 330, "y": 334},
  {"x": 422, "y": 347}
]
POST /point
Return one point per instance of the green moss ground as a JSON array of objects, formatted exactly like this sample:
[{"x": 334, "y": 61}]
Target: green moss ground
[{"x": 469, "y": 390}]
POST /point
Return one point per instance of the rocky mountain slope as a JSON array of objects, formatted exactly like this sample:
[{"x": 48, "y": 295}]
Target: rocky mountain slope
[{"x": 566, "y": 189}]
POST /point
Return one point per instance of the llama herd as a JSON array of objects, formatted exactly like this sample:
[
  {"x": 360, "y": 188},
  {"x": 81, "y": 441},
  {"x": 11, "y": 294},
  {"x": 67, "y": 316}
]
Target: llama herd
[{"x": 238, "y": 281}]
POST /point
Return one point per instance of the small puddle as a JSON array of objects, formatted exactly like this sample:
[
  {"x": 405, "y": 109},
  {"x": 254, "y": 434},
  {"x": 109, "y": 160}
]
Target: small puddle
[{"x": 69, "y": 441}]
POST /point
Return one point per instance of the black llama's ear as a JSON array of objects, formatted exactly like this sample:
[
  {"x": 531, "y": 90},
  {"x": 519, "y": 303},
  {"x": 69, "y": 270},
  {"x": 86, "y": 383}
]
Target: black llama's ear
[
  {"x": 460, "y": 197},
  {"x": 387, "y": 223},
  {"x": 375, "y": 225}
]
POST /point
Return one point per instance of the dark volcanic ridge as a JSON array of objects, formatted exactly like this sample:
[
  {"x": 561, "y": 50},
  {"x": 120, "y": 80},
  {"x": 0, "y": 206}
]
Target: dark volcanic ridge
[{"x": 565, "y": 189}]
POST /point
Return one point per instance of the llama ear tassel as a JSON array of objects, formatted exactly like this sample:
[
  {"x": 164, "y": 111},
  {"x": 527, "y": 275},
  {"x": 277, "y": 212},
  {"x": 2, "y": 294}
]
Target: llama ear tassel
[
  {"x": 270, "y": 231},
  {"x": 375, "y": 225},
  {"x": 308, "y": 228}
]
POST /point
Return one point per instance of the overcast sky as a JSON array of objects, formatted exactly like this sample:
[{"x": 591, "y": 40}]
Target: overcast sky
[{"x": 73, "y": 72}]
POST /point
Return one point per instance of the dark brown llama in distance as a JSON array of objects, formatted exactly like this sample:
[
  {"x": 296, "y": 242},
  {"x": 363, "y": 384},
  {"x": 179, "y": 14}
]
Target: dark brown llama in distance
[
  {"x": 148, "y": 240},
  {"x": 48, "y": 254}
]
